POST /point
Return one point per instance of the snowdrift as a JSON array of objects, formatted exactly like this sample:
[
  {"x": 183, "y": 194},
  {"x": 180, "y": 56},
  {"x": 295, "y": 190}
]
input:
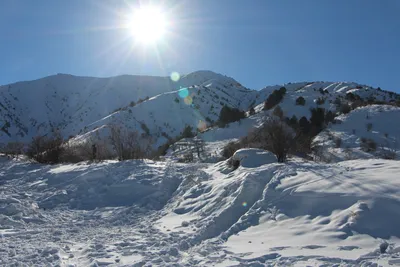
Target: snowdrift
[{"x": 161, "y": 213}]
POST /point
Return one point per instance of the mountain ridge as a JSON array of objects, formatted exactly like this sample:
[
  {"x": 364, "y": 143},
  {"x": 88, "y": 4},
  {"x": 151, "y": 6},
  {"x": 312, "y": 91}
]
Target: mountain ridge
[{"x": 77, "y": 105}]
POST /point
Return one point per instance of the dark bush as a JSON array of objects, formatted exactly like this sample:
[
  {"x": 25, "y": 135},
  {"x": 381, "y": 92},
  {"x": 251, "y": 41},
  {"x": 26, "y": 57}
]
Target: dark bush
[
  {"x": 300, "y": 101},
  {"x": 233, "y": 163},
  {"x": 274, "y": 98},
  {"x": 318, "y": 118},
  {"x": 338, "y": 142},
  {"x": 230, "y": 149},
  {"x": 293, "y": 122},
  {"x": 345, "y": 108},
  {"x": 304, "y": 125},
  {"x": 278, "y": 138},
  {"x": 45, "y": 149},
  {"x": 368, "y": 145},
  {"x": 329, "y": 116},
  {"x": 228, "y": 115},
  {"x": 187, "y": 132}
]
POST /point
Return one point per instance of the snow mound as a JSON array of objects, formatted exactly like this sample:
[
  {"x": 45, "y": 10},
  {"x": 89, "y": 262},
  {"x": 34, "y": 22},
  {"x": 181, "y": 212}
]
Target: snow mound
[{"x": 253, "y": 157}]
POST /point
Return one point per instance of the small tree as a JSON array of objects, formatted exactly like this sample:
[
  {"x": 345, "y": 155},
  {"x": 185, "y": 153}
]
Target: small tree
[
  {"x": 304, "y": 125},
  {"x": 188, "y": 132},
  {"x": 278, "y": 138},
  {"x": 300, "y": 101},
  {"x": 318, "y": 119}
]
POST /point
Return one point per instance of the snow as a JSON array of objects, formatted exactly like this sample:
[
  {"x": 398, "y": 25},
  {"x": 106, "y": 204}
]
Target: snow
[
  {"x": 205, "y": 213},
  {"x": 160, "y": 213},
  {"x": 84, "y": 107},
  {"x": 352, "y": 127},
  {"x": 252, "y": 157}
]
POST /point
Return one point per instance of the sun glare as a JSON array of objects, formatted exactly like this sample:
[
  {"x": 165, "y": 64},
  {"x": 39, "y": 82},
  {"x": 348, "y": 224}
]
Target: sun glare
[{"x": 148, "y": 24}]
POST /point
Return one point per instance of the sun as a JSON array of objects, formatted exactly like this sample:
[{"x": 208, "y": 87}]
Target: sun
[{"x": 148, "y": 24}]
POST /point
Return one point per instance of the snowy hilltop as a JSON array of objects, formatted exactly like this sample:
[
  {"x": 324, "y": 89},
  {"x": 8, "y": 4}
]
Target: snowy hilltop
[{"x": 198, "y": 171}]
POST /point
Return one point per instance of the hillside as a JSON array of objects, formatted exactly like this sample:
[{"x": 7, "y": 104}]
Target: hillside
[{"x": 81, "y": 107}]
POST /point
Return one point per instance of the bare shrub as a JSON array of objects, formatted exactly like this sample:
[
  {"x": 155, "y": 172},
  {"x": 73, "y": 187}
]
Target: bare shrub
[
  {"x": 231, "y": 148},
  {"x": 128, "y": 144},
  {"x": 89, "y": 150},
  {"x": 46, "y": 149},
  {"x": 278, "y": 138},
  {"x": 12, "y": 149}
]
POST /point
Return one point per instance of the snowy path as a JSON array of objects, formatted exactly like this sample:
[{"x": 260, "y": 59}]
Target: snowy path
[{"x": 164, "y": 214}]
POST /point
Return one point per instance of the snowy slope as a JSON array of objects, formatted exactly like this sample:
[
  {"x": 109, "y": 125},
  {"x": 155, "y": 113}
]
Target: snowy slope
[
  {"x": 162, "y": 213},
  {"x": 85, "y": 106},
  {"x": 374, "y": 122},
  {"x": 71, "y": 104}
]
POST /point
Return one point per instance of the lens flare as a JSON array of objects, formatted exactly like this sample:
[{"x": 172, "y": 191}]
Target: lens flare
[
  {"x": 175, "y": 76},
  {"x": 244, "y": 204},
  {"x": 201, "y": 125},
  {"x": 183, "y": 93},
  {"x": 188, "y": 100}
]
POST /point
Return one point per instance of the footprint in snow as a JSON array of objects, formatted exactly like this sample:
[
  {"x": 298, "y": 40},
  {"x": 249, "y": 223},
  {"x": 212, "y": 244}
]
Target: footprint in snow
[
  {"x": 348, "y": 247},
  {"x": 312, "y": 247},
  {"x": 278, "y": 248}
]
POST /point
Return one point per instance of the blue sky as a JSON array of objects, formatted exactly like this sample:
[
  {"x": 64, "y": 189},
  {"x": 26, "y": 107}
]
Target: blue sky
[{"x": 257, "y": 42}]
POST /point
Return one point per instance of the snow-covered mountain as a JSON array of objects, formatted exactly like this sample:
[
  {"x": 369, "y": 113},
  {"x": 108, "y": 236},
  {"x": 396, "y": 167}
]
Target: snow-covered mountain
[
  {"x": 83, "y": 106},
  {"x": 342, "y": 209}
]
